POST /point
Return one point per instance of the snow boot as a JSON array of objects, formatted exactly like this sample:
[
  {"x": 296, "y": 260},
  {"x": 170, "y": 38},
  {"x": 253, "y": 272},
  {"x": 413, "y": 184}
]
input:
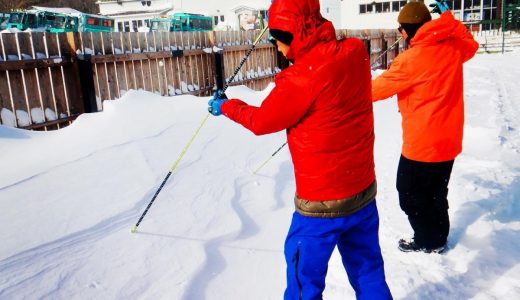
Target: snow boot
[{"x": 411, "y": 246}]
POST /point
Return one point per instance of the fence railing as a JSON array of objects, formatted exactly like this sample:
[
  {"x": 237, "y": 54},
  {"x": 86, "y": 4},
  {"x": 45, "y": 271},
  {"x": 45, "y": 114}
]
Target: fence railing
[{"x": 48, "y": 79}]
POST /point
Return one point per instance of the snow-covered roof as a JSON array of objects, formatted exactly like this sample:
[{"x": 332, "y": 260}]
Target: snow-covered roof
[
  {"x": 143, "y": 12},
  {"x": 242, "y": 8},
  {"x": 59, "y": 10}
]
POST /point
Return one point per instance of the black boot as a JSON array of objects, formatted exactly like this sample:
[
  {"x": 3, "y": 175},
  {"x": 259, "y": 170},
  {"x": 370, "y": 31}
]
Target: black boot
[{"x": 411, "y": 246}]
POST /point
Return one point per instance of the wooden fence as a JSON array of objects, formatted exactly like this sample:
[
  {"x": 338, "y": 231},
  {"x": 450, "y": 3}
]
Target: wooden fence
[{"x": 48, "y": 79}]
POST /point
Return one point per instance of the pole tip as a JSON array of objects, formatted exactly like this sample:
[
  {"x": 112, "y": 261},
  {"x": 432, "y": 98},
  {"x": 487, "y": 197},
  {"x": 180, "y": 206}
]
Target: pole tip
[{"x": 134, "y": 229}]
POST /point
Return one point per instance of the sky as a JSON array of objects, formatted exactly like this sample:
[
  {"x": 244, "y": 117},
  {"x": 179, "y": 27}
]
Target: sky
[{"x": 69, "y": 198}]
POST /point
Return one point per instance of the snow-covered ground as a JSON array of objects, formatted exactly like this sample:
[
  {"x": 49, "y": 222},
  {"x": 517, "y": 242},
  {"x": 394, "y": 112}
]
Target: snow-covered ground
[{"x": 69, "y": 198}]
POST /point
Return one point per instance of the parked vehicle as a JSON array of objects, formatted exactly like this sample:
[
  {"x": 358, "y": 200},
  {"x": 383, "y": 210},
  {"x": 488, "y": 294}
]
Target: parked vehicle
[
  {"x": 4, "y": 18},
  {"x": 182, "y": 22},
  {"x": 59, "y": 20},
  {"x": 23, "y": 20}
]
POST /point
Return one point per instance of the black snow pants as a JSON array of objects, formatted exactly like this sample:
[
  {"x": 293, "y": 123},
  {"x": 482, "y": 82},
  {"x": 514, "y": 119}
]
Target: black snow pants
[{"x": 423, "y": 196}]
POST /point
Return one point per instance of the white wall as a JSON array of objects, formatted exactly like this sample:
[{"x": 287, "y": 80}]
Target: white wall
[
  {"x": 352, "y": 19},
  {"x": 331, "y": 10},
  {"x": 219, "y": 7},
  {"x": 113, "y": 7}
]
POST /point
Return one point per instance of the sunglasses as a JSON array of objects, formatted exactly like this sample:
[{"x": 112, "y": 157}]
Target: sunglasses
[{"x": 400, "y": 29}]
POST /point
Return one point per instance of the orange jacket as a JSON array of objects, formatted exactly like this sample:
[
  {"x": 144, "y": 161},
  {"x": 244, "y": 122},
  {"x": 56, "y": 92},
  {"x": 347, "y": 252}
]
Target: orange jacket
[{"x": 428, "y": 81}]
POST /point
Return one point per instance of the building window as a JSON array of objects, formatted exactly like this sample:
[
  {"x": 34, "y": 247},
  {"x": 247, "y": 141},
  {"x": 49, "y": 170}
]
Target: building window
[
  {"x": 381, "y": 7},
  {"x": 386, "y": 6},
  {"x": 395, "y": 6},
  {"x": 456, "y": 4}
]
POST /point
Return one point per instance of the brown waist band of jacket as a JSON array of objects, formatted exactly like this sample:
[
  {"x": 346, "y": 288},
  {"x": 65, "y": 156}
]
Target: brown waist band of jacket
[{"x": 336, "y": 208}]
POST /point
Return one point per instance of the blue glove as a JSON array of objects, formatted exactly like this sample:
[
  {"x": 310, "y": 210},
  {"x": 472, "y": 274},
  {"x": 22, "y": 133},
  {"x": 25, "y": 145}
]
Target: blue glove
[
  {"x": 216, "y": 102},
  {"x": 439, "y": 6}
]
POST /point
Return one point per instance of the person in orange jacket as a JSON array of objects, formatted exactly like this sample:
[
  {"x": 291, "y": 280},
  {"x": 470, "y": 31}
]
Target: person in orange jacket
[
  {"x": 428, "y": 81},
  {"x": 323, "y": 101}
]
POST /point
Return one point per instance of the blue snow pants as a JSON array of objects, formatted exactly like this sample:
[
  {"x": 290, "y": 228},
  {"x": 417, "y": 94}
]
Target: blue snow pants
[{"x": 309, "y": 245}]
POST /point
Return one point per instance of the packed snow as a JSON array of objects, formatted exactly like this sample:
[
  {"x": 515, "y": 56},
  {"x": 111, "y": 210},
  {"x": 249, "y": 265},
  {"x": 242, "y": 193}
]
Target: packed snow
[{"x": 69, "y": 198}]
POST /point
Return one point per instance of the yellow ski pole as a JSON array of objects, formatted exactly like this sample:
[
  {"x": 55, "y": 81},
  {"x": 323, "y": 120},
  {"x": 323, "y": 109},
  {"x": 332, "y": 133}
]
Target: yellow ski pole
[
  {"x": 134, "y": 229},
  {"x": 174, "y": 166}
]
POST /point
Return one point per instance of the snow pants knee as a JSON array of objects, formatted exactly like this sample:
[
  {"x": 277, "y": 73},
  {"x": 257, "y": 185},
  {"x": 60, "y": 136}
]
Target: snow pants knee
[
  {"x": 423, "y": 196},
  {"x": 309, "y": 246}
]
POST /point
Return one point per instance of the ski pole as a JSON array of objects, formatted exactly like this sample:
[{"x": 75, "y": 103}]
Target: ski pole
[
  {"x": 245, "y": 58},
  {"x": 390, "y": 48},
  {"x": 272, "y": 155},
  {"x": 134, "y": 229},
  {"x": 434, "y": 10}
]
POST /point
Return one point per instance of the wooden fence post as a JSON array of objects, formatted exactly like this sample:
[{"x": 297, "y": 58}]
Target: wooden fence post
[
  {"x": 220, "y": 78},
  {"x": 86, "y": 79},
  {"x": 367, "y": 46},
  {"x": 384, "y": 47}
]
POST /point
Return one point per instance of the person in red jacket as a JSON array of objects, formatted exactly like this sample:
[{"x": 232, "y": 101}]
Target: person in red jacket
[
  {"x": 323, "y": 101},
  {"x": 428, "y": 81}
]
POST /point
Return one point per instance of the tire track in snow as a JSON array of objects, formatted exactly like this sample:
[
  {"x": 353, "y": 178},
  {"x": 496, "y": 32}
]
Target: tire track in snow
[
  {"x": 55, "y": 254},
  {"x": 508, "y": 111},
  {"x": 215, "y": 261},
  {"x": 491, "y": 218}
]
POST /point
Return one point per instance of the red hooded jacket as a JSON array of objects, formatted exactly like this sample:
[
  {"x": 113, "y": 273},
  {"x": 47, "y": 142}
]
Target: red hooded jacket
[{"x": 324, "y": 102}]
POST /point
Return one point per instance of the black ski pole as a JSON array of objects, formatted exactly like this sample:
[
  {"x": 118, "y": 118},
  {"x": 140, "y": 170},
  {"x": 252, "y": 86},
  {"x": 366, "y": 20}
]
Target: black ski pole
[
  {"x": 134, "y": 229},
  {"x": 390, "y": 48},
  {"x": 272, "y": 155},
  {"x": 245, "y": 59}
]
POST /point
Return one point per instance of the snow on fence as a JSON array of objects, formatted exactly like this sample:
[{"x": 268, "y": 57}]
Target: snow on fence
[{"x": 48, "y": 79}]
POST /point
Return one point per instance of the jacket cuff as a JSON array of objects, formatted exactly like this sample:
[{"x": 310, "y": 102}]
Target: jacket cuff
[{"x": 228, "y": 107}]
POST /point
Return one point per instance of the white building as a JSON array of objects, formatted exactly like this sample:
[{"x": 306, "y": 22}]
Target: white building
[
  {"x": 231, "y": 9},
  {"x": 331, "y": 10},
  {"x": 382, "y": 14},
  {"x": 130, "y": 15}
]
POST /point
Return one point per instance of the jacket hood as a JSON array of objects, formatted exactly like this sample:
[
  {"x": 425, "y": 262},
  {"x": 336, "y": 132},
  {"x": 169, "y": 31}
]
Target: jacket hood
[
  {"x": 438, "y": 30},
  {"x": 302, "y": 18}
]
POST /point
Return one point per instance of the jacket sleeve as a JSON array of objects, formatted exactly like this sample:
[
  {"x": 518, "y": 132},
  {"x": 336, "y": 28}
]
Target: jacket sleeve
[
  {"x": 287, "y": 103},
  {"x": 392, "y": 81},
  {"x": 465, "y": 41}
]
